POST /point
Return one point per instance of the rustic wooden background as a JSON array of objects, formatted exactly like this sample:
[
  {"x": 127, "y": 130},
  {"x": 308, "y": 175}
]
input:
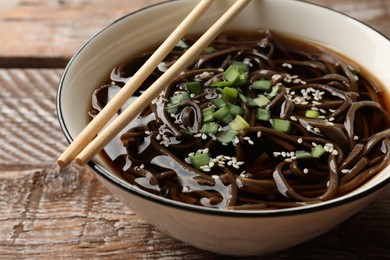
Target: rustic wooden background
[{"x": 72, "y": 216}]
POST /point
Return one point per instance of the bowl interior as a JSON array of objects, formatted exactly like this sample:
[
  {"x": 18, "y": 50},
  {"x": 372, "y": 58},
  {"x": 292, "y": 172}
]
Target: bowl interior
[{"x": 136, "y": 32}]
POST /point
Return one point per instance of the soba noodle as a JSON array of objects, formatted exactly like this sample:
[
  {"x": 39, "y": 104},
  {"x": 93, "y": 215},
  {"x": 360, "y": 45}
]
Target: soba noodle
[{"x": 259, "y": 121}]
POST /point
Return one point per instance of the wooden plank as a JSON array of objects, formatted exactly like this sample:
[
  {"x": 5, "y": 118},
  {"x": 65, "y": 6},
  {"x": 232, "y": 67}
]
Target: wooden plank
[
  {"x": 53, "y": 30},
  {"x": 38, "y": 33}
]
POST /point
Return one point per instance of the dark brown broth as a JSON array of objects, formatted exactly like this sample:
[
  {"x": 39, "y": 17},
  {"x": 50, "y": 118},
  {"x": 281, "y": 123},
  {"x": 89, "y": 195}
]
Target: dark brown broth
[{"x": 257, "y": 184}]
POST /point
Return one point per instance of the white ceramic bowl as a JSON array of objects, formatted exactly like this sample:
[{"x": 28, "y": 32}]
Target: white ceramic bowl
[{"x": 222, "y": 231}]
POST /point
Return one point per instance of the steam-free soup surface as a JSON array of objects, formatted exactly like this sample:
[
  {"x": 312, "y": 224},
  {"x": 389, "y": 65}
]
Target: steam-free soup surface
[{"x": 258, "y": 121}]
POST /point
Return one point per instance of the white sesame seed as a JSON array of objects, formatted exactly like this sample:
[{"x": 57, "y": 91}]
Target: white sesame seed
[
  {"x": 355, "y": 137},
  {"x": 215, "y": 177},
  {"x": 259, "y": 134},
  {"x": 288, "y": 160},
  {"x": 345, "y": 171},
  {"x": 306, "y": 171},
  {"x": 335, "y": 152},
  {"x": 300, "y": 140},
  {"x": 293, "y": 118},
  {"x": 331, "y": 119},
  {"x": 251, "y": 142}
]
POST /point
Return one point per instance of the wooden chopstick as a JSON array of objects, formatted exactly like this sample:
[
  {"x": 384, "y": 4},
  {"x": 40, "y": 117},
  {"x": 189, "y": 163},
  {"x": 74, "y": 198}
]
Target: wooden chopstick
[
  {"x": 150, "y": 93},
  {"x": 92, "y": 129}
]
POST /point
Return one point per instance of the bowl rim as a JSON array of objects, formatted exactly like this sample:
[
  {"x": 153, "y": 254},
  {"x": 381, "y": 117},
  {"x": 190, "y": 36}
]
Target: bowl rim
[{"x": 102, "y": 172}]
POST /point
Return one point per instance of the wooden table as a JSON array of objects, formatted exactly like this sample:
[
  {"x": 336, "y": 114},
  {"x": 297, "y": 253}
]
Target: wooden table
[{"x": 72, "y": 216}]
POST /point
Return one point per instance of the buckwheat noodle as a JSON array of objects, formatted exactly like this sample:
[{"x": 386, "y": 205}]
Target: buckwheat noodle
[{"x": 260, "y": 167}]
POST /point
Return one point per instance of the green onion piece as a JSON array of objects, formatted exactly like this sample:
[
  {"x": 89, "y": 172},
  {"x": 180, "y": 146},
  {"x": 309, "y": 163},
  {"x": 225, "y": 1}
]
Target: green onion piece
[
  {"x": 281, "y": 125},
  {"x": 172, "y": 109},
  {"x": 210, "y": 128},
  {"x": 247, "y": 100},
  {"x": 241, "y": 65},
  {"x": 235, "y": 110},
  {"x": 186, "y": 131},
  {"x": 303, "y": 155},
  {"x": 242, "y": 79},
  {"x": 182, "y": 44},
  {"x": 227, "y": 136},
  {"x": 263, "y": 114},
  {"x": 177, "y": 99},
  {"x": 208, "y": 114},
  {"x": 223, "y": 115},
  {"x": 222, "y": 84},
  {"x": 312, "y": 114},
  {"x": 353, "y": 69},
  {"x": 232, "y": 73},
  {"x": 209, "y": 49},
  {"x": 229, "y": 94},
  {"x": 199, "y": 160},
  {"x": 262, "y": 84},
  {"x": 261, "y": 101},
  {"x": 317, "y": 151},
  {"x": 218, "y": 102},
  {"x": 195, "y": 87},
  {"x": 274, "y": 92},
  {"x": 238, "y": 124}
]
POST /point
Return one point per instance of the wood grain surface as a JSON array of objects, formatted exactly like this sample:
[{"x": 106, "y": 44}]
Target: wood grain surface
[{"x": 45, "y": 215}]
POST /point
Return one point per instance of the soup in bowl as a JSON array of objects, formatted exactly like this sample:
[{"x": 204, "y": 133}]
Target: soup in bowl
[{"x": 279, "y": 123}]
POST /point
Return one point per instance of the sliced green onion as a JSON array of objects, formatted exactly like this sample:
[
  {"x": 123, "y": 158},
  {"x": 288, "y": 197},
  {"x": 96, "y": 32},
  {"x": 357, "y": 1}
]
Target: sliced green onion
[
  {"x": 182, "y": 44},
  {"x": 232, "y": 73},
  {"x": 172, "y": 109},
  {"x": 317, "y": 151},
  {"x": 222, "y": 84},
  {"x": 208, "y": 114},
  {"x": 238, "y": 124},
  {"x": 218, "y": 102},
  {"x": 229, "y": 94},
  {"x": 242, "y": 79},
  {"x": 235, "y": 110},
  {"x": 177, "y": 99},
  {"x": 263, "y": 114},
  {"x": 199, "y": 160},
  {"x": 195, "y": 87},
  {"x": 261, "y": 101},
  {"x": 241, "y": 65},
  {"x": 247, "y": 101},
  {"x": 223, "y": 115},
  {"x": 312, "y": 114},
  {"x": 209, "y": 128},
  {"x": 303, "y": 155},
  {"x": 186, "y": 131},
  {"x": 353, "y": 69},
  {"x": 281, "y": 125},
  {"x": 227, "y": 136},
  {"x": 274, "y": 92},
  {"x": 262, "y": 84},
  {"x": 209, "y": 49}
]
